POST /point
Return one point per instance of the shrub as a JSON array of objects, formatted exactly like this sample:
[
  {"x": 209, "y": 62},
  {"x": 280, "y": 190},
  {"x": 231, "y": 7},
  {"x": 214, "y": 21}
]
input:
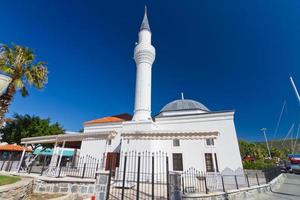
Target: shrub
[{"x": 259, "y": 164}]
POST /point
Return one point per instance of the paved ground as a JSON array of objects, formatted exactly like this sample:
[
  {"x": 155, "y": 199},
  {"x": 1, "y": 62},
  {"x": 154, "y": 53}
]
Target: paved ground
[{"x": 289, "y": 190}]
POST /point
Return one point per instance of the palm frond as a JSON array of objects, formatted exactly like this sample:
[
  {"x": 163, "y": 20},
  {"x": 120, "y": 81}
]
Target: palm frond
[
  {"x": 19, "y": 62},
  {"x": 18, "y": 83},
  {"x": 6, "y": 69},
  {"x": 28, "y": 76}
]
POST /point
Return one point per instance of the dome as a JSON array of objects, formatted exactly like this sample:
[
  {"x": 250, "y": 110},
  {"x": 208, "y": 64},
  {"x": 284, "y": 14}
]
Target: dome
[{"x": 184, "y": 104}]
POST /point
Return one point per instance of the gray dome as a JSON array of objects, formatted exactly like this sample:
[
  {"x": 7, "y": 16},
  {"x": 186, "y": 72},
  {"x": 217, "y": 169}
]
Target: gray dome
[{"x": 184, "y": 104}]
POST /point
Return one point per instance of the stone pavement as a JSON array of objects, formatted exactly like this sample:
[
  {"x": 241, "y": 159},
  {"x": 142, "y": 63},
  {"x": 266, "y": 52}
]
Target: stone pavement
[{"x": 289, "y": 190}]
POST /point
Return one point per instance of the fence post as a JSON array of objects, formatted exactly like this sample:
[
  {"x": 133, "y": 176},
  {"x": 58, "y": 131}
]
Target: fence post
[
  {"x": 223, "y": 183},
  {"x": 138, "y": 178},
  {"x": 152, "y": 176},
  {"x": 59, "y": 171},
  {"x": 168, "y": 178},
  {"x": 257, "y": 179},
  {"x": 11, "y": 164},
  {"x": 182, "y": 182},
  {"x": 2, "y": 164},
  {"x": 175, "y": 186},
  {"x": 83, "y": 172},
  {"x": 205, "y": 184},
  {"x": 236, "y": 183},
  {"x": 30, "y": 167},
  {"x": 247, "y": 178},
  {"x": 43, "y": 165},
  {"x": 108, "y": 184},
  {"x": 96, "y": 170},
  {"x": 124, "y": 176}
]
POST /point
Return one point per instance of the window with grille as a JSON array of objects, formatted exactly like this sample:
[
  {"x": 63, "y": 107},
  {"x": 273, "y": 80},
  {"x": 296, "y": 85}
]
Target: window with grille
[
  {"x": 177, "y": 162},
  {"x": 176, "y": 143},
  {"x": 210, "y": 142},
  {"x": 209, "y": 162}
]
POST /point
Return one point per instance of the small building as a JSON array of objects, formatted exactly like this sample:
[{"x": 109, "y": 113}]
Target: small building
[{"x": 10, "y": 155}]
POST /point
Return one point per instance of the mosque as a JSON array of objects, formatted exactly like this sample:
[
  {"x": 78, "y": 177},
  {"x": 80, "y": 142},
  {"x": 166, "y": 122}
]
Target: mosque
[{"x": 190, "y": 133}]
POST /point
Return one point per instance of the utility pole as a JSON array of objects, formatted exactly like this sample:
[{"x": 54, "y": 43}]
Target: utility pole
[
  {"x": 264, "y": 132},
  {"x": 295, "y": 89}
]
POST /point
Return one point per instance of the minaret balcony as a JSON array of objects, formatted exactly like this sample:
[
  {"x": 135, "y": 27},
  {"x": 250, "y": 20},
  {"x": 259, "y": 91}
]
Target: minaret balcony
[{"x": 144, "y": 55}]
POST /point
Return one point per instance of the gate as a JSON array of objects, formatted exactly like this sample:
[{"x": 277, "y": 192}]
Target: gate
[
  {"x": 139, "y": 176},
  {"x": 194, "y": 181}
]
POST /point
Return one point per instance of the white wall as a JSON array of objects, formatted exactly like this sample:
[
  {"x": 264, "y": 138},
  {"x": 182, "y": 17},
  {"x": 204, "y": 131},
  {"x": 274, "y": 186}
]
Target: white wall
[{"x": 226, "y": 145}]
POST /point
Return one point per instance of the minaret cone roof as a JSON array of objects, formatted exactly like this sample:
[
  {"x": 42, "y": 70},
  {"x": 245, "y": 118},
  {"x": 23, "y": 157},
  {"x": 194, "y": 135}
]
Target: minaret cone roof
[{"x": 145, "y": 23}]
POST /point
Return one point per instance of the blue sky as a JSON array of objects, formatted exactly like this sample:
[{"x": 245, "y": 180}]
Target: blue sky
[{"x": 226, "y": 54}]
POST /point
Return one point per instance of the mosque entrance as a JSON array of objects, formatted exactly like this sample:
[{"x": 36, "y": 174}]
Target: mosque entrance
[{"x": 142, "y": 175}]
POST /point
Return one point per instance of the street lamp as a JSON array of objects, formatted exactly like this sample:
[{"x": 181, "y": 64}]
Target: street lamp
[
  {"x": 264, "y": 132},
  {"x": 4, "y": 81}
]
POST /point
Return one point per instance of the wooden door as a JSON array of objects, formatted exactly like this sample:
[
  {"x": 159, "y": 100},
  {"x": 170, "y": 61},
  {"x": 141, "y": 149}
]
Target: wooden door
[{"x": 112, "y": 161}]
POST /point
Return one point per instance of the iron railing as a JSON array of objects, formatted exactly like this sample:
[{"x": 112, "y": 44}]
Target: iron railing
[{"x": 194, "y": 181}]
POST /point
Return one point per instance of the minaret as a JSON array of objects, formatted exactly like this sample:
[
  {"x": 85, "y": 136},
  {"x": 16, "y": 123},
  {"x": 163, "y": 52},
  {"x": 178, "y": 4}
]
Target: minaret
[{"x": 144, "y": 56}]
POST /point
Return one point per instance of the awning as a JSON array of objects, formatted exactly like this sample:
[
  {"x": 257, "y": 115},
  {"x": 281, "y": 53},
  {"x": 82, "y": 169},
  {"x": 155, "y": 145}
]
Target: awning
[
  {"x": 49, "y": 152},
  {"x": 104, "y": 135},
  {"x": 12, "y": 147},
  {"x": 168, "y": 135}
]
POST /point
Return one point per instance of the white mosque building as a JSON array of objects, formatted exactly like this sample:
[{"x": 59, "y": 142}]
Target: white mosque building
[{"x": 190, "y": 133}]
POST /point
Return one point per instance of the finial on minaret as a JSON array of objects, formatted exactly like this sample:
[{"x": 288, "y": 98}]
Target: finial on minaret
[{"x": 145, "y": 23}]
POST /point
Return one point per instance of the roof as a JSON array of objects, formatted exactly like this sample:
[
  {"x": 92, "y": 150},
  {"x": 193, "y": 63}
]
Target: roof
[
  {"x": 68, "y": 137},
  {"x": 145, "y": 22},
  {"x": 12, "y": 147},
  {"x": 110, "y": 119},
  {"x": 184, "y": 104}
]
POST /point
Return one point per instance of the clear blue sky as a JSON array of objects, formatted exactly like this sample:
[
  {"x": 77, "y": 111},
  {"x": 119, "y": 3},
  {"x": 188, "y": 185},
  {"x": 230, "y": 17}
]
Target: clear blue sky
[{"x": 226, "y": 54}]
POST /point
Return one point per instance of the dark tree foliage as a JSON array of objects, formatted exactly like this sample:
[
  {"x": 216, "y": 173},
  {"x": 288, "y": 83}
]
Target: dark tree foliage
[{"x": 22, "y": 126}]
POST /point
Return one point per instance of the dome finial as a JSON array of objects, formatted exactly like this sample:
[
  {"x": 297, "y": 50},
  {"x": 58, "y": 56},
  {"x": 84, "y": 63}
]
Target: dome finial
[
  {"x": 182, "y": 97},
  {"x": 145, "y": 23}
]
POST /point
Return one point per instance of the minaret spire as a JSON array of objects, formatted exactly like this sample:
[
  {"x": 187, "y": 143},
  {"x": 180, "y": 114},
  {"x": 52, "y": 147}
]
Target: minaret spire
[
  {"x": 145, "y": 23},
  {"x": 144, "y": 56}
]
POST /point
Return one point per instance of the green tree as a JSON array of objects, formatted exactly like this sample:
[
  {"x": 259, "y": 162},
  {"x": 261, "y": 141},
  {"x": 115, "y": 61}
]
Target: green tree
[
  {"x": 19, "y": 63},
  {"x": 244, "y": 148},
  {"x": 28, "y": 126}
]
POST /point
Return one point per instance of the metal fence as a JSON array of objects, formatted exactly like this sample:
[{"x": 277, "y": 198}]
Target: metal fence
[
  {"x": 9, "y": 165},
  {"x": 139, "y": 176},
  {"x": 144, "y": 175},
  {"x": 84, "y": 167},
  {"x": 194, "y": 181}
]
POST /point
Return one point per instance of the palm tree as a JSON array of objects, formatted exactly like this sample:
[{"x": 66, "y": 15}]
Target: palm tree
[{"x": 19, "y": 63}]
